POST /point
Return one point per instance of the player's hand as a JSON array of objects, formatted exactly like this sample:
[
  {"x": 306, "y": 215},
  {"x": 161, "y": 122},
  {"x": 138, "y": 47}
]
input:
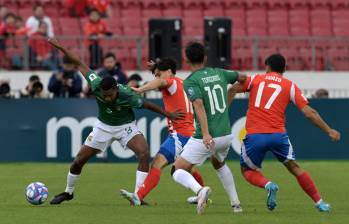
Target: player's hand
[
  {"x": 334, "y": 135},
  {"x": 54, "y": 42},
  {"x": 208, "y": 141},
  {"x": 137, "y": 90},
  {"x": 176, "y": 115},
  {"x": 151, "y": 65}
]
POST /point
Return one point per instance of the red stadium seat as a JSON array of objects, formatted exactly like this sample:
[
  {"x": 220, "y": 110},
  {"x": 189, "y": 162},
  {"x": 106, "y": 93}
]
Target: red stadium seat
[
  {"x": 238, "y": 16},
  {"x": 337, "y": 4},
  {"x": 213, "y": 8},
  {"x": 234, "y": 3},
  {"x": 321, "y": 22},
  {"x": 257, "y": 22},
  {"x": 299, "y": 22},
  {"x": 25, "y": 13},
  {"x": 278, "y": 22},
  {"x": 298, "y": 3},
  {"x": 338, "y": 58}
]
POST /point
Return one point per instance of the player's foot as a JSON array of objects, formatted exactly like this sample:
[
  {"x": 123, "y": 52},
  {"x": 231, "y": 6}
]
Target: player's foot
[
  {"x": 65, "y": 196},
  {"x": 131, "y": 197},
  {"x": 236, "y": 208},
  {"x": 203, "y": 195},
  {"x": 194, "y": 200},
  {"x": 323, "y": 206},
  {"x": 271, "y": 199}
]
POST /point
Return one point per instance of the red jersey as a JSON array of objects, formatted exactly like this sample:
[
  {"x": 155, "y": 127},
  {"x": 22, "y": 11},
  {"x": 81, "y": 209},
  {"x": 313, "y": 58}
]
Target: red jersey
[
  {"x": 174, "y": 99},
  {"x": 270, "y": 95},
  {"x": 38, "y": 42}
]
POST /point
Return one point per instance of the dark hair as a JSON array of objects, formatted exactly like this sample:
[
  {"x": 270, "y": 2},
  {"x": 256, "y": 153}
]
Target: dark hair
[
  {"x": 109, "y": 55},
  {"x": 195, "y": 52},
  {"x": 34, "y": 78},
  {"x": 67, "y": 60},
  {"x": 165, "y": 64},
  {"x": 108, "y": 82},
  {"x": 135, "y": 77},
  {"x": 10, "y": 14},
  {"x": 5, "y": 88},
  {"x": 276, "y": 62},
  {"x": 38, "y": 85}
]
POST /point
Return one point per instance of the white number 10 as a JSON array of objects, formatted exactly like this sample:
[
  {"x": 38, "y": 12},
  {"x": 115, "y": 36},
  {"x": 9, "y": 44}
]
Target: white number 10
[{"x": 272, "y": 98}]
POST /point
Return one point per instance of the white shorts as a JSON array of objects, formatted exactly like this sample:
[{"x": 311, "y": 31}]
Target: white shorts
[
  {"x": 196, "y": 152},
  {"x": 103, "y": 135}
]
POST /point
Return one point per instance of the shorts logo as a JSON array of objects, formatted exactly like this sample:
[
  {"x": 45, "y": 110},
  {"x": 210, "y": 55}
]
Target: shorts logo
[{"x": 128, "y": 130}]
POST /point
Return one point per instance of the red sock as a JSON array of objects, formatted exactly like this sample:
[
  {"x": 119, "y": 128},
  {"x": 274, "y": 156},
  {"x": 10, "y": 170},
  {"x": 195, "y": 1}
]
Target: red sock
[
  {"x": 150, "y": 183},
  {"x": 255, "y": 178},
  {"x": 198, "y": 177},
  {"x": 308, "y": 186}
]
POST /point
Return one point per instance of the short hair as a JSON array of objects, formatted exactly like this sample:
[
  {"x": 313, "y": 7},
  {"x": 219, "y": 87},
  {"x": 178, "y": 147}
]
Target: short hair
[
  {"x": 67, "y": 60},
  {"x": 34, "y": 78},
  {"x": 135, "y": 77},
  {"x": 164, "y": 65},
  {"x": 276, "y": 62},
  {"x": 195, "y": 52},
  {"x": 38, "y": 85},
  {"x": 108, "y": 82},
  {"x": 109, "y": 55}
]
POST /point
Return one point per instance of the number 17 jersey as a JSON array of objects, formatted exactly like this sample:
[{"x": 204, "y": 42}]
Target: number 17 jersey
[
  {"x": 270, "y": 94},
  {"x": 210, "y": 85}
]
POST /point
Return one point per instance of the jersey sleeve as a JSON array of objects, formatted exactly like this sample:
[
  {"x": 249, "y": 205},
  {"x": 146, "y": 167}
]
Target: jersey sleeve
[
  {"x": 192, "y": 89},
  {"x": 229, "y": 75},
  {"x": 248, "y": 84},
  {"x": 93, "y": 80},
  {"x": 134, "y": 99},
  {"x": 171, "y": 86},
  {"x": 297, "y": 97}
]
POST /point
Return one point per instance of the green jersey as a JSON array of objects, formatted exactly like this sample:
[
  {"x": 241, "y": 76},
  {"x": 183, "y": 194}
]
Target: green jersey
[
  {"x": 120, "y": 111},
  {"x": 211, "y": 85}
]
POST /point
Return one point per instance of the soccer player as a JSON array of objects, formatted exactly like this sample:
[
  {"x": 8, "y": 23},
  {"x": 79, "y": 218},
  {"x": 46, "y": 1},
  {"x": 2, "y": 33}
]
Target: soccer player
[
  {"x": 174, "y": 99},
  {"x": 270, "y": 95},
  {"x": 207, "y": 89},
  {"x": 116, "y": 122}
]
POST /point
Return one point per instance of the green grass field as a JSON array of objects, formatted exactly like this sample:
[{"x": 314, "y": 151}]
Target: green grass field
[{"x": 97, "y": 199}]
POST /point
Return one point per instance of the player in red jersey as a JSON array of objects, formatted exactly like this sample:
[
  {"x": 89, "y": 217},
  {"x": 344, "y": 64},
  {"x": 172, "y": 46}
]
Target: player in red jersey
[
  {"x": 270, "y": 94},
  {"x": 180, "y": 131}
]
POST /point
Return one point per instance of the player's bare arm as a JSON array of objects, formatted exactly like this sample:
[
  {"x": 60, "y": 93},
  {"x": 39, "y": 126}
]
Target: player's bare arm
[
  {"x": 233, "y": 90},
  {"x": 202, "y": 117},
  {"x": 154, "y": 84},
  {"x": 316, "y": 119},
  {"x": 83, "y": 68},
  {"x": 176, "y": 115}
]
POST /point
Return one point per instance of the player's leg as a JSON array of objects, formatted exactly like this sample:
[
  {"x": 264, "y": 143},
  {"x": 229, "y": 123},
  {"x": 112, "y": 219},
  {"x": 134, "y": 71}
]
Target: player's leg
[
  {"x": 253, "y": 150},
  {"x": 194, "y": 152},
  {"x": 140, "y": 147},
  {"x": 81, "y": 158},
  {"x": 286, "y": 155},
  {"x": 98, "y": 141},
  {"x": 223, "y": 171}
]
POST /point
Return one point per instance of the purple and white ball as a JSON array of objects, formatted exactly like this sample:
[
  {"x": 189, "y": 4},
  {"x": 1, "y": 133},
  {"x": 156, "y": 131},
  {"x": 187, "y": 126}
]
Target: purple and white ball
[{"x": 36, "y": 193}]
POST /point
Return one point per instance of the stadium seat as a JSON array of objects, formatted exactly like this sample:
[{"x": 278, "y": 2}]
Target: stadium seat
[
  {"x": 25, "y": 13},
  {"x": 213, "y": 8},
  {"x": 278, "y": 22},
  {"x": 338, "y": 58},
  {"x": 299, "y": 22},
  {"x": 256, "y": 22},
  {"x": 298, "y": 4},
  {"x": 238, "y": 16},
  {"x": 320, "y": 22}
]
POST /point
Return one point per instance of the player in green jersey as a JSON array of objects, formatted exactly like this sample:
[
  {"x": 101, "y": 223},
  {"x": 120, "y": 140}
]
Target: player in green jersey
[
  {"x": 116, "y": 121},
  {"x": 207, "y": 89}
]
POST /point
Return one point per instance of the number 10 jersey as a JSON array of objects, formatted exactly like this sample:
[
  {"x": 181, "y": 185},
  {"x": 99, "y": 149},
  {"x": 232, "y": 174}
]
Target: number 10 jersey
[{"x": 211, "y": 85}]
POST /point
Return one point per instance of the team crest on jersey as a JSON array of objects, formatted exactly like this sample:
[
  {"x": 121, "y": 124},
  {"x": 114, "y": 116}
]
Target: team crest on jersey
[
  {"x": 191, "y": 91},
  {"x": 92, "y": 77}
]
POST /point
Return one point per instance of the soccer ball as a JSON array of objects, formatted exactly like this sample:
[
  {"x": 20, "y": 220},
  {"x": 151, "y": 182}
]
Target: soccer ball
[{"x": 36, "y": 193}]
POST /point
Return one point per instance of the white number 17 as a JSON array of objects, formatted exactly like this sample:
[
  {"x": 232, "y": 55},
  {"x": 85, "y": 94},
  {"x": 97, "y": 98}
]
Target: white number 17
[{"x": 272, "y": 98}]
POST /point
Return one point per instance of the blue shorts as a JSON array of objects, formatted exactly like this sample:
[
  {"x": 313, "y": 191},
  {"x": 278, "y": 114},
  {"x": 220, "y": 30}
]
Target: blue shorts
[
  {"x": 173, "y": 146},
  {"x": 255, "y": 146}
]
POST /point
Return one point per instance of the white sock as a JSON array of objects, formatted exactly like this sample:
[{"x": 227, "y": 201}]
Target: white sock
[
  {"x": 71, "y": 179},
  {"x": 227, "y": 180},
  {"x": 187, "y": 180},
  {"x": 140, "y": 177}
]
